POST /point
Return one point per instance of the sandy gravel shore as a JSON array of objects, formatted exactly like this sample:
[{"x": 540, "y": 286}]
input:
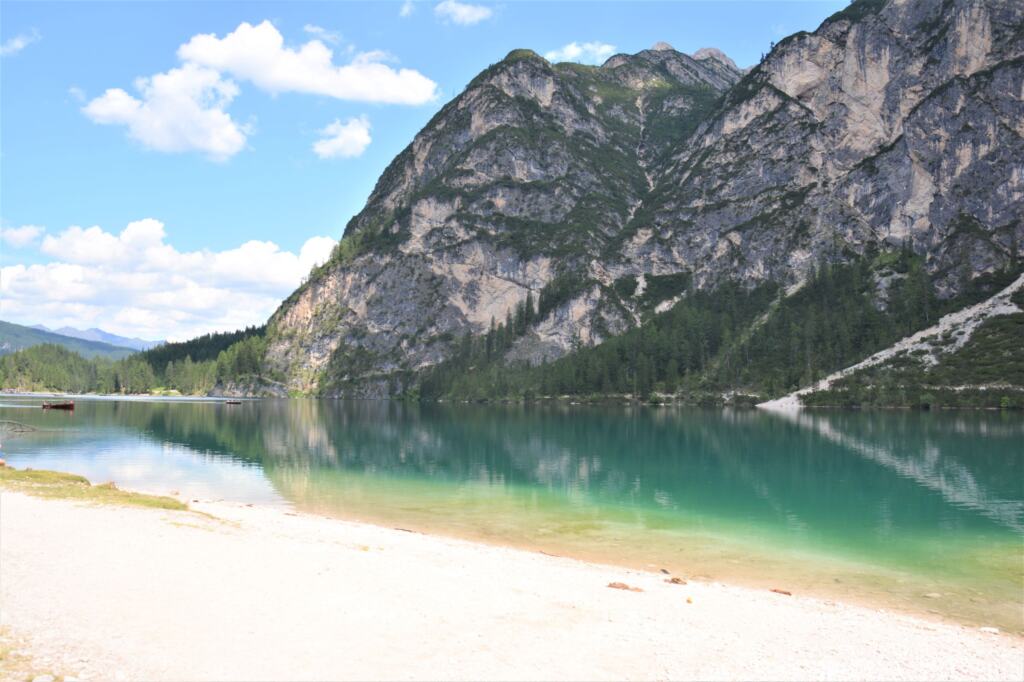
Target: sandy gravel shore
[{"x": 253, "y": 593}]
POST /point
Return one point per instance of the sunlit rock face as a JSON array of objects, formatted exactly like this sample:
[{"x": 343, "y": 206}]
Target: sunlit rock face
[{"x": 894, "y": 121}]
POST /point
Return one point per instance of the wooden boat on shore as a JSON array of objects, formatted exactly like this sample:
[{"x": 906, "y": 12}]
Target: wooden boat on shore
[
  {"x": 232, "y": 402},
  {"x": 63, "y": 405}
]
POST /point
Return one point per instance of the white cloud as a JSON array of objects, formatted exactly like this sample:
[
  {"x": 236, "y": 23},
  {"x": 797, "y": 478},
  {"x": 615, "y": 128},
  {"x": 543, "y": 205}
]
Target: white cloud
[
  {"x": 18, "y": 43},
  {"x": 462, "y": 13},
  {"x": 322, "y": 33},
  {"x": 184, "y": 109},
  {"x": 408, "y": 7},
  {"x": 137, "y": 284},
  {"x": 584, "y": 53},
  {"x": 345, "y": 140},
  {"x": 315, "y": 252},
  {"x": 20, "y": 237},
  {"x": 179, "y": 110},
  {"x": 258, "y": 54},
  {"x": 77, "y": 93}
]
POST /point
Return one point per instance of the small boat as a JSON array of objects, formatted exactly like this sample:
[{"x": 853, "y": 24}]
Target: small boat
[
  {"x": 232, "y": 402},
  {"x": 65, "y": 405}
]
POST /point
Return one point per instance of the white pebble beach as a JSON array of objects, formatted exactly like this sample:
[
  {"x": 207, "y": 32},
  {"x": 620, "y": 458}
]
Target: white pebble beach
[{"x": 258, "y": 593}]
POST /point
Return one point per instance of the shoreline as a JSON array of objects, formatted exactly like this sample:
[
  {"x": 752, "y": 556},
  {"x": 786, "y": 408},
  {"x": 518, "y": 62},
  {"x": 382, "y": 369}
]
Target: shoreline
[
  {"x": 278, "y": 590},
  {"x": 785, "y": 405},
  {"x": 712, "y": 555}
]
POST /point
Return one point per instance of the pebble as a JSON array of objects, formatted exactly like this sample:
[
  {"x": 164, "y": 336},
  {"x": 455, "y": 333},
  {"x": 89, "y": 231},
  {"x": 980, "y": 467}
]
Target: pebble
[
  {"x": 933, "y": 595},
  {"x": 44, "y": 678},
  {"x": 990, "y": 630},
  {"x": 624, "y": 586}
]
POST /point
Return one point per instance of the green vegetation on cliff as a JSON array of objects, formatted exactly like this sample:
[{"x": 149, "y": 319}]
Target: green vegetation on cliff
[
  {"x": 987, "y": 371},
  {"x": 672, "y": 352},
  {"x": 738, "y": 344}
]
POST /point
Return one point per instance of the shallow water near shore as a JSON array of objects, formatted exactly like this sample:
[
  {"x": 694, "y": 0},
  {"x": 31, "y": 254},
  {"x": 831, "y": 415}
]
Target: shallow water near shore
[{"x": 920, "y": 512}]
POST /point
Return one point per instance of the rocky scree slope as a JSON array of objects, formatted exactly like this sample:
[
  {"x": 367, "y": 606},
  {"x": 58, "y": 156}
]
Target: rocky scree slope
[
  {"x": 603, "y": 190},
  {"x": 950, "y": 334}
]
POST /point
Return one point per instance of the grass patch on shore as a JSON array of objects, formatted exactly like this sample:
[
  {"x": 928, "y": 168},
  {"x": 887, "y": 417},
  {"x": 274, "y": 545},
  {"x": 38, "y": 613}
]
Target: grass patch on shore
[{"x": 56, "y": 484}]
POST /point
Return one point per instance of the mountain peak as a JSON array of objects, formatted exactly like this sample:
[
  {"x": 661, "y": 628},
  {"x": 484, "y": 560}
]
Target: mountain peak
[
  {"x": 522, "y": 53},
  {"x": 570, "y": 185},
  {"x": 96, "y": 334},
  {"x": 714, "y": 53},
  {"x": 661, "y": 46}
]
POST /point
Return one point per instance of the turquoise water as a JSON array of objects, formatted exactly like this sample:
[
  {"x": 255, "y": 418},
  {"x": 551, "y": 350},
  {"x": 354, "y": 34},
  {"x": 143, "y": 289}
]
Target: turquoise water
[{"x": 922, "y": 512}]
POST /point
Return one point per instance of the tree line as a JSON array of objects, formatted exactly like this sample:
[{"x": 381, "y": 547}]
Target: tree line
[
  {"x": 50, "y": 367},
  {"x": 729, "y": 340}
]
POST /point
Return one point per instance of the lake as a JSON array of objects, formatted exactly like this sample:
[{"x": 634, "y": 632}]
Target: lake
[{"x": 914, "y": 511}]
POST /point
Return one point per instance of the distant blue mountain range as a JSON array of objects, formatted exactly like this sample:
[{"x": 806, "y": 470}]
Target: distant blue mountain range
[
  {"x": 94, "y": 334},
  {"x": 15, "y": 337}
]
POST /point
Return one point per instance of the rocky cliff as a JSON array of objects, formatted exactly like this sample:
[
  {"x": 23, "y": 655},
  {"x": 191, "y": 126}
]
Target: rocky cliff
[{"x": 602, "y": 190}]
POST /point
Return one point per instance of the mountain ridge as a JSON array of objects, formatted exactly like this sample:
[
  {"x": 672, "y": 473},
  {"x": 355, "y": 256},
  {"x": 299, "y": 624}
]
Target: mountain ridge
[
  {"x": 15, "y": 337},
  {"x": 604, "y": 192},
  {"x": 97, "y": 334}
]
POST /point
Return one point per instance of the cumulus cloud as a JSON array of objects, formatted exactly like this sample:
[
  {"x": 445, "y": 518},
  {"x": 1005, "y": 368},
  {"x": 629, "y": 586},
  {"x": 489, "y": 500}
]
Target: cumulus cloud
[
  {"x": 462, "y": 13},
  {"x": 584, "y": 53},
  {"x": 258, "y": 54},
  {"x": 136, "y": 283},
  {"x": 180, "y": 110},
  {"x": 322, "y": 33},
  {"x": 345, "y": 140},
  {"x": 315, "y": 252},
  {"x": 185, "y": 108},
  {"x": 20, "y": 237},
  {"x": 18, "y": 43},
  {"x": 407, "y": 9}
]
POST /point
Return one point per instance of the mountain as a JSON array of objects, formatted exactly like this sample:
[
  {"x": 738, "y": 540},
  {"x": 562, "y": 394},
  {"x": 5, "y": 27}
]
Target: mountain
[
  {"x": 94, "y": 334},
  {"x": 573, "y": 204},
  {"x": 14, "y": 337},
  {"x": 526, "y": 178}
]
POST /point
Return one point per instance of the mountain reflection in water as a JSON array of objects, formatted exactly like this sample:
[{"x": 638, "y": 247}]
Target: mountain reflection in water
[{"x": 886, "y": 506}]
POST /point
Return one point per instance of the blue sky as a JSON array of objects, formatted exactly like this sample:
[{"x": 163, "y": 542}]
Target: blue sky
[{"x": 223, "y": 150}]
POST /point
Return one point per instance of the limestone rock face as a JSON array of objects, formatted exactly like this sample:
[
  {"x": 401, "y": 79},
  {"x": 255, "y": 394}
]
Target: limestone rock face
[
  {"x": 894, "y": 120},
  {"x": 711, "y": 53}
]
